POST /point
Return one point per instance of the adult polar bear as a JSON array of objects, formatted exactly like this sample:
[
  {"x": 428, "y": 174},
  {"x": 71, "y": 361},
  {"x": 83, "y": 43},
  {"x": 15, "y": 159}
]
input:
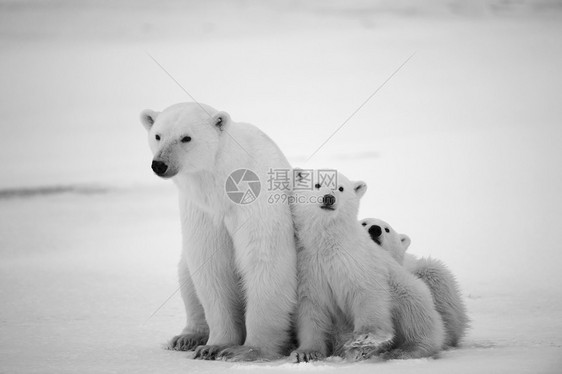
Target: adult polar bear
[{"x": 238, "y": 264}]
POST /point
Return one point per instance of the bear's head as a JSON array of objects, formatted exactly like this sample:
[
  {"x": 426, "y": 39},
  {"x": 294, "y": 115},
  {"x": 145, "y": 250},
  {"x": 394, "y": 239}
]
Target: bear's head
[
  {"x": 385, "y": 236},
  {"x": 331, "y": 196},
  {"x": 184, "y": 138}
]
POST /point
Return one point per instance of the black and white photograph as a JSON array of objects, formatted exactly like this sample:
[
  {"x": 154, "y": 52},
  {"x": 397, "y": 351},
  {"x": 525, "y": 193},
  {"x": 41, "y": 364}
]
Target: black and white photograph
[{"x": 281, "y": 186}]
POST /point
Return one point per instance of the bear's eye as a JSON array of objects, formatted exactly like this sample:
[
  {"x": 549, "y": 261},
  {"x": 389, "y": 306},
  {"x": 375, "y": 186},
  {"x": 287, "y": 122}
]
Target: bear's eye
[
  {"x": 157, "y": 137},
  {"x": 186, "y": 139},
  {"x": 317, "y": 185},
  {"x": 341, "y": 189},
  {"x": 364, "y": 224},
  {"x": 386, "y": 229}
]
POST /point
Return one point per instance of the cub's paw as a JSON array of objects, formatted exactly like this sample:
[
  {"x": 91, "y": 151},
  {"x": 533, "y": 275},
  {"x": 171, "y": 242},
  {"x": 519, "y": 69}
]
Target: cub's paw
[
  {"x": 187, "y": 342},
  {"x": 246, "y": 353},
  {"x": 299, "y": 356},
  {"x": 358, "y": 354},
  {"x": 207, "y": 352},
  {"x": 368, "y": 340},
  {"x": 395, "y": 354}
]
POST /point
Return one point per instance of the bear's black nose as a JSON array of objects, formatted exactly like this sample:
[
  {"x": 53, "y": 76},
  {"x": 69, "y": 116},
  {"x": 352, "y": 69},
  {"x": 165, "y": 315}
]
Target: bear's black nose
[
  {"x": 159, "y": 167},
  {"x": 375, "y": 231},
  {"x": 328, "y": 200}
]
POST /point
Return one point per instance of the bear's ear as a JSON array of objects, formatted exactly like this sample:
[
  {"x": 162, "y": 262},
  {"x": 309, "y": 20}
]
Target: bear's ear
[
  {"x": 405, "y": 240},
  {"x": 221, "y": 120},
  {"x": 148, "y": 117},
  {"x": 359, "y": 188}
]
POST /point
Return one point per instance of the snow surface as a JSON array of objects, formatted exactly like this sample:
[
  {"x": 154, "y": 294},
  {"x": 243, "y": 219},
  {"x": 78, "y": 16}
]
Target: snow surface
[{"x": 461, "y": 150}]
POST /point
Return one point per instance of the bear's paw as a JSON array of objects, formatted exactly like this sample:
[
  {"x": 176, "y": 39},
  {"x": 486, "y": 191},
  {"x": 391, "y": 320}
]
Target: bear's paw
[
  {"x": 361, "y": 353},
  {"x": 368, "y": 339},
  {"x": 299, "y": 356},
  {"x": 208, "y": 352},
  {"x": 246, "y": 353},
  {"x": 187, "y": 342}
]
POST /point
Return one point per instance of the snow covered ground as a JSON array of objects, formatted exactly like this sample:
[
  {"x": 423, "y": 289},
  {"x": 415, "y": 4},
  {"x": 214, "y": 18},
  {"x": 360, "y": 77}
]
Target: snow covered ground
[{"x": 461, "y": 150}]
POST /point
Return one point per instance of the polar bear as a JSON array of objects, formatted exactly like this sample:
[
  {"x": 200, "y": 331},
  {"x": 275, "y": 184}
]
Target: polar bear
[
  {"x": 434, "y": 273},
  {"x": 238, "y": 265},
  {"x": 385, "y": 310},
  {"x": 392, "y": 242}
]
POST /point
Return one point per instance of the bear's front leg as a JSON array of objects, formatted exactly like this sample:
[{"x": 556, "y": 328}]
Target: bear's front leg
[
  {"x": 266, "y": 257},
  {"x": 372, "y": 319},
  {"x": 209, "y": 254},
  {"x": 196, "y": 331},
  {"x": 313, "y": 311},
  {"x": 312, "y": 324}
]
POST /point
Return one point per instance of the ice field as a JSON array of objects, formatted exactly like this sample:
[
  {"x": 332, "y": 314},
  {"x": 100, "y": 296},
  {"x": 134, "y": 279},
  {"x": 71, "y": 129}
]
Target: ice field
[{"x": 461, "y": 150}]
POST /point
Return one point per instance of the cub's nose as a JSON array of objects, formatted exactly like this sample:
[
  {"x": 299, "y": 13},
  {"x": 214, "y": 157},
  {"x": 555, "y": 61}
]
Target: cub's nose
[
  {"x": 159, "y": 168},
  {"x": 328, "y": 200},
  {"x": 375, "y": 231}
]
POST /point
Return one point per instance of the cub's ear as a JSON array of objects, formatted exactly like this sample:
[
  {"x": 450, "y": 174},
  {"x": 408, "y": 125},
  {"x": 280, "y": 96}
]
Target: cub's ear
[
  {"x": 359, "y": 188},
  {"x": 148, "y": 117},
  {"x": 221, "y": 120},
  {"x": 405, "y": 240}
]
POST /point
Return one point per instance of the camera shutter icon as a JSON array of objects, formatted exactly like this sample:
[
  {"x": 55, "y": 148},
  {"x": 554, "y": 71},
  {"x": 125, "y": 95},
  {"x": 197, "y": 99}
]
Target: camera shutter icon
[{"x": 243, "y": 186}]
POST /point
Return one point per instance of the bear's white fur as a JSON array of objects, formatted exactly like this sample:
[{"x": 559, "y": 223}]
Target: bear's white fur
[
  {"x": 238, "y": 265},
  {"x": 384, "y": 309},
  {"x": 434, "y": 273}
]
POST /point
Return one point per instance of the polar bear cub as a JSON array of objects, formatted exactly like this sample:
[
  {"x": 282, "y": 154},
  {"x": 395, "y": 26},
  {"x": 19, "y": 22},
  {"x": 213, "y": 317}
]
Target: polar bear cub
[
  {"x": 434, "y": 273},
  {"x": 392, "y": 242},
  {"x": 387, "y": 309}
]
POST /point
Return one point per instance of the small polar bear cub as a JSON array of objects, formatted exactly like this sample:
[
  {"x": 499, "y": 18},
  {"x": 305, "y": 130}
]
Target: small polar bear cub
[
  {"x": 434, "y": 273},
  {"x": 394, "y": 243},
  {"x": 385, "y": 309}
]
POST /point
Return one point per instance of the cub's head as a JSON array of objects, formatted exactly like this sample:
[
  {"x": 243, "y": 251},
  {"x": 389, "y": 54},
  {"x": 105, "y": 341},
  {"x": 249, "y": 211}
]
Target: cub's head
[
  {"x": 330, "y": 196},
  {"x": 385, "y": 236},
  {"x": 184, "y": 137}
]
